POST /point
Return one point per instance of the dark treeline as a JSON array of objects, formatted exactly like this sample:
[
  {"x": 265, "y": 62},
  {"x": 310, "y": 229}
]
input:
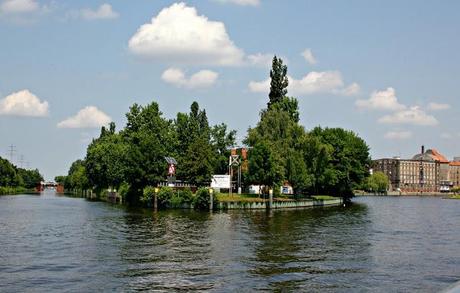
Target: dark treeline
[
  {"x": 329, "y": 161},
  {"x": 14, "y": 179}
]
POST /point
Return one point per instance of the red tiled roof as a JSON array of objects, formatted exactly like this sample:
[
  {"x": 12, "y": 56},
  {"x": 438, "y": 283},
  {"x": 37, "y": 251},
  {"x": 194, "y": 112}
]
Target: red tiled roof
[
  {"x": 437, "y": 156},
  {"x": 454, "y": 164}
]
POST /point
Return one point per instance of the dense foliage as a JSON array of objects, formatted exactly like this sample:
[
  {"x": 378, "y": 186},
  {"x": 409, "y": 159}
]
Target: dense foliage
[
  {"x": 330, "y": 161},
  {"x": 134, "y": 158},
  {"x": 12, "y": 177},
  {"x": 378, "y": 182}
]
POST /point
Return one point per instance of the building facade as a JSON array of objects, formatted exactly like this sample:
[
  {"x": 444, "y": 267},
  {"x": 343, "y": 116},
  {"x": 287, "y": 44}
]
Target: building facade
[
  {"x": 428, "y": 171},
  {"x": 410, "y": 175},
  {"x": 454, "y": 173}
]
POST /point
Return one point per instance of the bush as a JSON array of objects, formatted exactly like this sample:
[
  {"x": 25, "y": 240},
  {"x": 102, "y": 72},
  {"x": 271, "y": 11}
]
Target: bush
[
  {"x": 147, "y": 195},
  {"x": 186, "y": 195},
  {"x": 181, "y": 198},
  {"x": 202, "y": 199},
  {"x": 165, "y": 197},
  {"x": 123, "y": 190}
]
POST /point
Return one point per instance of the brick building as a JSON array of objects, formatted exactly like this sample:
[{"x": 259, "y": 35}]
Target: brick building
[{"x": 428, "y": 171}]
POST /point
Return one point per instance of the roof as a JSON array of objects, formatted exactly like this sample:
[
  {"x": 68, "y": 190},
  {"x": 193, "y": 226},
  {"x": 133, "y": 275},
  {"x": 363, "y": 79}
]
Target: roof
[
  {"x": 438, "y": 156},
  {"x": 431, "y": 155},
  {"x": 454, "y": 164}
]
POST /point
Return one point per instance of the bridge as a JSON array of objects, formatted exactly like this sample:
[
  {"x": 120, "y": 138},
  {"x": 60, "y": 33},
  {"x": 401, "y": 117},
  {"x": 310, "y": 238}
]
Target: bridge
[{"x": 50, "y": 184}]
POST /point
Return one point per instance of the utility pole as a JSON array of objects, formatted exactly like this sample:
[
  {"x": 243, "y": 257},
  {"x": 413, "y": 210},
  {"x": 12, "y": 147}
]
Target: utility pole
[
  {"x": 21, "y": 161},
  {"x": 11, "y": 151}
]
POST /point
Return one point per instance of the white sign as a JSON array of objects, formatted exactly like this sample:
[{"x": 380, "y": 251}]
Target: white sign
[{"x": 220, "y": 181}]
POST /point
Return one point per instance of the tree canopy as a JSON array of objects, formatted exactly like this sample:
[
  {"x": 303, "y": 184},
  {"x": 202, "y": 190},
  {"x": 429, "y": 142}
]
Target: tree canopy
[{"x": 330, "y": 161}]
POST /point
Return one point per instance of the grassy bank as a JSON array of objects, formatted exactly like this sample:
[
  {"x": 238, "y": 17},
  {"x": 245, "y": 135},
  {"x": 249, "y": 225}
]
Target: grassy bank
[
  {"x": 455, "y": 196},
  {"x": 224, "y": 197},
  {"x": 12, "y": 190}
]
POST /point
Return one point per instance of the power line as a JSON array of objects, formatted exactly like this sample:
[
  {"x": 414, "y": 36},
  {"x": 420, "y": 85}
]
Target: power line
[
  {"x": 21, "y": 161},
  {"x": 11, "y": 151}
]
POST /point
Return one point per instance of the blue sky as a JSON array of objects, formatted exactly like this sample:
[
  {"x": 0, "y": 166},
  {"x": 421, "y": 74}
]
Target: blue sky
[{"x": 387, "y": 70}]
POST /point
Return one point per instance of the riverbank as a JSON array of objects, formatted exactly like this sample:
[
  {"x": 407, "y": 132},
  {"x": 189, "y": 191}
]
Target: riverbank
[{"x": 15, "y": 190}]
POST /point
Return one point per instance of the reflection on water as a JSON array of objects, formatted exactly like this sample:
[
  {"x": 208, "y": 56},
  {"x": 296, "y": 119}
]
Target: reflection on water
[{"x": 376, "y": 244}]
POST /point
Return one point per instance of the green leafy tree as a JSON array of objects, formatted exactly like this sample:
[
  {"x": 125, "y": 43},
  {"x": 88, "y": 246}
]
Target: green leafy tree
[
  {"x": 279, "y": 81},
  {"x": 349, "y": 160},
  {"x": 265, "y": 165},
  {"x": 221, "y": 141},
  {"x": 378, "y": 183},
  {"x": 31, "y": 178},
  {"x": 150, "y": 138},
  {"x": 106, "y": 159}
]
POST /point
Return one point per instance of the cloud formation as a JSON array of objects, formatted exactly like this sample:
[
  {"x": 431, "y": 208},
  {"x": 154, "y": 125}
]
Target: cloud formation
[
  {"x": 200, "y": 79},
  {"x": 88, "y": 117},
  {"x": 413, "y": 116},
  {"x": 438, "y": 107},
  {"x": 241, "y": 2},
  {"x": 19, "y": 6},
  {"x": 398, "y": 135},
  {"x": 308, "y": 56},
  {"x": 104, "y": 11},
  {"x": 23, "y": 103},
  {"x": 381, "y": 100},
  {"x": 179, "y": 35},
  {"x": 325, "y": 82}
]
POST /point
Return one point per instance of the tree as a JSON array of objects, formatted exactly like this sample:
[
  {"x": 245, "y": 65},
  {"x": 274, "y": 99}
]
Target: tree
[
  {"x": 221, "y": 141},
  {"x": 279, "y": 81},
  {"x": 349, "y": 160},
  {"x": 297, "y": 173},
  {"x": 150, "y": 138},
  {"x": 265, "y": 165},
  {"x": 377, "y": 183},
  {"x": 106, "y": 159},
  {"x": 31, "y": 178}
]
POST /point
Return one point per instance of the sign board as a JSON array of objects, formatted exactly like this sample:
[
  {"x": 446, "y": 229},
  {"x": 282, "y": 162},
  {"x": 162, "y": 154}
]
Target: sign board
[
  {"x": 220, "y": 181},
  {"x": 171, "y": 170}
]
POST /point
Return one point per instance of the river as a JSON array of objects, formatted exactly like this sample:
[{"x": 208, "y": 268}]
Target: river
[{"x": 378, "y": 244}]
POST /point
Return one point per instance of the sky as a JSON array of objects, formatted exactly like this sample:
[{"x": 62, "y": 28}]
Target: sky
[{"x": 387, "y": 70}]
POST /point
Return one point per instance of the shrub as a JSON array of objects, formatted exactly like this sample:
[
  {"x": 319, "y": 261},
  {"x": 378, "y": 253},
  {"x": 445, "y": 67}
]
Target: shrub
[
  {"x": 201, "y": 200},
  {"x": 182, "y": 197},
  {"x": 165, "y": 196},
  {"x": 186, "y": 195},
  {"x": 123, "y": 190},
  {"x": 147, "y": 195}
]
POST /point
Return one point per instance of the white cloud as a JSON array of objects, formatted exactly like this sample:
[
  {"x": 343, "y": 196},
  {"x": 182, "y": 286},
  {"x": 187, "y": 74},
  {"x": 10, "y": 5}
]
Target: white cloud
[
  {"x": 438, "y": 106},
  {"x": 179, "y": 35},
  {"x": 262, "y": 60},
  {"x": 329, "y": 82},
  {"x": 23, "y": 103},
  {"x": 351, "y": 90},
  {"x": 308, "y": 56},
  {"x": 104, "y": 11},
  {"x": 413, "y": 116},
  {"x": 241, "y": 2},
  {"x": 381, "y": 100},
  {"x": 200, "y": 79},
  {"x": 88, "y": 117},
  {"x": 317, "y": 82},
  {"x": 19, "y": 6},
  {"x": 259, "y": 86},
  {"x": 398, "y": 135}
]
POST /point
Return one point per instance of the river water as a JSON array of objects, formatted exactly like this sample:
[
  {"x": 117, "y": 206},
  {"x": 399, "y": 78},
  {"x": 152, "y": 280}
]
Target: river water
[{"x": 377, "y": 244}]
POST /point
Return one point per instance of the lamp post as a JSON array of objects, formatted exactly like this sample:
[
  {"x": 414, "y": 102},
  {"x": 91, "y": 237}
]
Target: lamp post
[
  {"x": 155, "y": 198},
  {"x": 211, "y": 199},
  {"x": 270, "y": 198}
]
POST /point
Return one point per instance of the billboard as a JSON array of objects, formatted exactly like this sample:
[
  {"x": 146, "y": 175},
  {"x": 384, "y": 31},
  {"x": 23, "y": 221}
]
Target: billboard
[{"x": 220, "y": 181}]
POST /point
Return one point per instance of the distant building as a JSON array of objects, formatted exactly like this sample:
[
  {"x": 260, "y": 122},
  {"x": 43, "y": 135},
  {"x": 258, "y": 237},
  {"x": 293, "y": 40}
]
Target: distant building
[
  {"x": 428, "y": 171},
  {"x": 454, "y": 173}
]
